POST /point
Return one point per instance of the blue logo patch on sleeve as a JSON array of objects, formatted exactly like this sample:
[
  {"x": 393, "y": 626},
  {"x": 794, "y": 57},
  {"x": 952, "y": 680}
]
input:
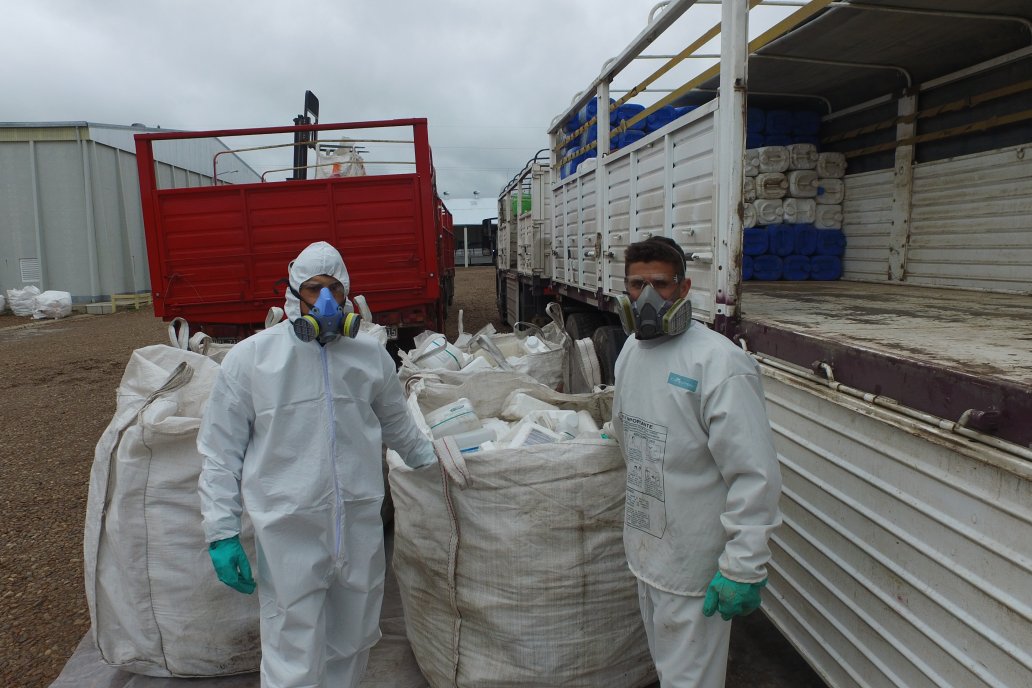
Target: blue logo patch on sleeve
[{"x": 683, "y": 382}]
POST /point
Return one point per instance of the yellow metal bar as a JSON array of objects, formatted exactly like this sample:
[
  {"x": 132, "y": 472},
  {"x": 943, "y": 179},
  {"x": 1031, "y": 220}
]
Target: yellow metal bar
[{"x": 774, "y": 32}]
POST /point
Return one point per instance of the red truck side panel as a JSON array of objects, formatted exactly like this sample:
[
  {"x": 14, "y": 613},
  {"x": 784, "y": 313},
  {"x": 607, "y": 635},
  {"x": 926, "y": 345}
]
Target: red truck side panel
[{"x": 218, "y": 254}]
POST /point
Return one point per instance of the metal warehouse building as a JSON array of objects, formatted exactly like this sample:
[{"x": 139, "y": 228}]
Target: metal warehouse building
[{"x": 70, "y": 215}]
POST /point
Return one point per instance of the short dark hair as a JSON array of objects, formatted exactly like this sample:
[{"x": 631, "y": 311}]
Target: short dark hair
[{"x": 657, "y": 249}]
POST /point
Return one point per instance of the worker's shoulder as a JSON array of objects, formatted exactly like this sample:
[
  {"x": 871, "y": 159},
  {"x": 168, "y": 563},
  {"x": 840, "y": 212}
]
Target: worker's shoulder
[
  {"x": 258, "y": 343},
  {"x": 718, "y": 351}
]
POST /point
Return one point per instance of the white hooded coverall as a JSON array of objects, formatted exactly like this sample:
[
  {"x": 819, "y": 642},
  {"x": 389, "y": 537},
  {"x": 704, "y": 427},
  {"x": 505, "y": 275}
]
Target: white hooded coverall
[
  {"x": 703, "y": 485},
  {"x": 292, "y": 432}
]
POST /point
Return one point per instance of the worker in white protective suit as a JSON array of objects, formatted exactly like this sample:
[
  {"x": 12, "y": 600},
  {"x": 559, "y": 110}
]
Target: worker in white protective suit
[
  {"x": 293, "y": 432},
  {"x": 703, "y": 481}
]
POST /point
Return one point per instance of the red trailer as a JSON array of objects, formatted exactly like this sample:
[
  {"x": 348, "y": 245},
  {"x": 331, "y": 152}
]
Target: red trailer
[{"x": 218, "y": 253}]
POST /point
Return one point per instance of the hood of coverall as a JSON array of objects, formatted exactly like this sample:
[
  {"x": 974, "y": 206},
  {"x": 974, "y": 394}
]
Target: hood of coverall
[{"x": 319, "y": 258}]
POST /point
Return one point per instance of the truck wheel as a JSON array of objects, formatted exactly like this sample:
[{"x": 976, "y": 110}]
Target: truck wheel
[
  {"x": 582, "y": 324},
  {"x": 608, "y": 341}
]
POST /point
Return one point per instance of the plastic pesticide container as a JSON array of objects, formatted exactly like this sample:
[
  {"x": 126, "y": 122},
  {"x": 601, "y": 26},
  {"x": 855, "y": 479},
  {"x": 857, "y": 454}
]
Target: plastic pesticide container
[
  {"x": 437, "y": 353},
  {"x": 780, "y": 140},
  {"x": 755, "y": 241},
  {"x": 831, "y": 242},
  {"x": 755, "y": 120},
  {"x": 773, "y": 158},
  {"x": 806, "y": 122},
  {"x": 805, "y": 239},
  {"x": 769, "y": 211},
  {"x": 779, "y": 122},
  {"x": 831, "y": 165},
  {"x": 796, "y": 268},
  {"x": 828, "y": 217},
  {"x": 825, "y": 268},
  {"x": 802, "y": 183},
  {"x": 803, "y": 156},
  {"x": 747, "y": 268},
  {"x": 531, "y": 434},
  {"x": 660, "y": 118},
  {"x": 470, "y": 441},
  {"x": 626, "y": 138},
  {"x": 771, "y": 185},
  {"x": 533, "y": 345},
  {"x": 782, "y": 239},
  {"x": 767, "y": 268},
  {"x": 452, "y": 419},
  {"x": 799, "y": 211},
  {"x": 625, "y": 112},
  {"x": 830, "y": 191}
]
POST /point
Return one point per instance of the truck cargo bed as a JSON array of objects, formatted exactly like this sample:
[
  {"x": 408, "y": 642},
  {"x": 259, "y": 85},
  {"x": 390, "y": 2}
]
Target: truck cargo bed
[{"x": 942, "y": 351}]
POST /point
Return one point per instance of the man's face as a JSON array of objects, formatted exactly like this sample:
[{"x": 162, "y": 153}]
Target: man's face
[
  {"x": 311, "y": 287},
  {"x": 662, "y": 276}
]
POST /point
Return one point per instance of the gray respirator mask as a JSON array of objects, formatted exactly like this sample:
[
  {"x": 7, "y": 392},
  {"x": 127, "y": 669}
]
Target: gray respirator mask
[{"x": 650, "y": 315}]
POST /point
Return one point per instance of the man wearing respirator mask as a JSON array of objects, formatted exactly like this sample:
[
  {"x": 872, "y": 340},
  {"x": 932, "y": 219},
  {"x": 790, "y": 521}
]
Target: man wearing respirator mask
[
  {"x": 703, "y": 480},
  {"x": 293, "y": 431}
]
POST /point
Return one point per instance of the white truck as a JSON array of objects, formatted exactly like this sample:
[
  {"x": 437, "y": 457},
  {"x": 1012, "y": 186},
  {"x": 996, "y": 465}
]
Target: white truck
[{"x": 901, "y": 394}]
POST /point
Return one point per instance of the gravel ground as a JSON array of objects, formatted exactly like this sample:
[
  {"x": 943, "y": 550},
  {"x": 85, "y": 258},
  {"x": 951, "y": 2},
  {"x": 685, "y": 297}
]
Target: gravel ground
[{"x": 57, "y": 394}]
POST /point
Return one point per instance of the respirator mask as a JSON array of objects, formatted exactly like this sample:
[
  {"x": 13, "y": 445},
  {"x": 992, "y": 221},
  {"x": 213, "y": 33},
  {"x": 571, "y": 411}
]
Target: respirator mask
[
  {"x": 326, "y": 319},
  {"x": 650, "y": 315}
]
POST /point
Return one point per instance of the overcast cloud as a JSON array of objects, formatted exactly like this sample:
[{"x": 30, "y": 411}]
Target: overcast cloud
[{"x": 489, "y": 76}]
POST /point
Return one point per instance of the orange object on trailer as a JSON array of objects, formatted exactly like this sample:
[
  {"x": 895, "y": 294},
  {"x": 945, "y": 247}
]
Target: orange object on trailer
[{"x": 218, "y": 254}]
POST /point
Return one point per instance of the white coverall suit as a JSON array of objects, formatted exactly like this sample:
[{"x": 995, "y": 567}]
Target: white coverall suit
[
  {"x": 703, "y": 485},
  {"x": 292, "y": 433}
]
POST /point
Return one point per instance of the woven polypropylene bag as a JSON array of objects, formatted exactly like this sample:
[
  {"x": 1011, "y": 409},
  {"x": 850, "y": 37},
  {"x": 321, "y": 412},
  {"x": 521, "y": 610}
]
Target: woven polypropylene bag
[
  {"x": 520, "y": 579},
  {"x": 156, "y": 605}
]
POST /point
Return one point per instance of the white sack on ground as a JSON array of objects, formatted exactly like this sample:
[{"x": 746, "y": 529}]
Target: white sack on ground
[
  {"x": 519, "y": 580},
  {"x": 156, "y": 605},
  {"x": 52, "y": 304},
  {"x": 23, "y": 301}
]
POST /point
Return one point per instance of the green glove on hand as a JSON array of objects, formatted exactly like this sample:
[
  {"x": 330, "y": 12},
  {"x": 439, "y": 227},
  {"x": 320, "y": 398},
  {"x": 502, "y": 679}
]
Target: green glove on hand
[
  {"x": 231, "y": 564},
  {"x": 731, "y": 598}
]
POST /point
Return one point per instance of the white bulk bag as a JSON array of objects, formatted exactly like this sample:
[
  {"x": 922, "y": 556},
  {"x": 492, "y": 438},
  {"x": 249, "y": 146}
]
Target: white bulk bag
[
  {"x": 52, "y": 304},
  {"x": 520, "y": 579},
  {"x": 23, "y": 301},
  {"x": 156, "y": 605}
]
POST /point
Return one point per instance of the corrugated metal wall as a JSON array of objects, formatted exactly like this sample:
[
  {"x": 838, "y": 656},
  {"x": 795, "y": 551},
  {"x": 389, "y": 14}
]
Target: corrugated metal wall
[
  {"x": 905, "y": 557},
  {"x": 971, "y": 222},
  {"x": 867, "y": 224},
  {"x": 70, "y": 206}
]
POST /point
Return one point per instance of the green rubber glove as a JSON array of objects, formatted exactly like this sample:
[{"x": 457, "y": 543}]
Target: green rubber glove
[
  {"x": 731, "y": 598},
  {"x": 231, "y": 564}
]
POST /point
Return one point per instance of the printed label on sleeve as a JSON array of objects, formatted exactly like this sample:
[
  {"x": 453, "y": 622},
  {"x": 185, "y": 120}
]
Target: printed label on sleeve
[{"x": 645, "y": 449}]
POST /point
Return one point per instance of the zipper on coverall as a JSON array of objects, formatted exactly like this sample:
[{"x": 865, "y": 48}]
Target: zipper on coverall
[{"x": 333, "y": 453}]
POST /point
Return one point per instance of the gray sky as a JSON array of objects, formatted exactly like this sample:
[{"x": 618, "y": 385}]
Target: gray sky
[{"x": 489, "y": 76}]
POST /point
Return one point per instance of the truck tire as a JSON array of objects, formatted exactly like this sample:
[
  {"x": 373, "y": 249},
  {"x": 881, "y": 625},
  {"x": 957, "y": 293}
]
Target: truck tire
[
  {"x": 583, "y": 324},
  {"x": 608, "y": 341}
]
